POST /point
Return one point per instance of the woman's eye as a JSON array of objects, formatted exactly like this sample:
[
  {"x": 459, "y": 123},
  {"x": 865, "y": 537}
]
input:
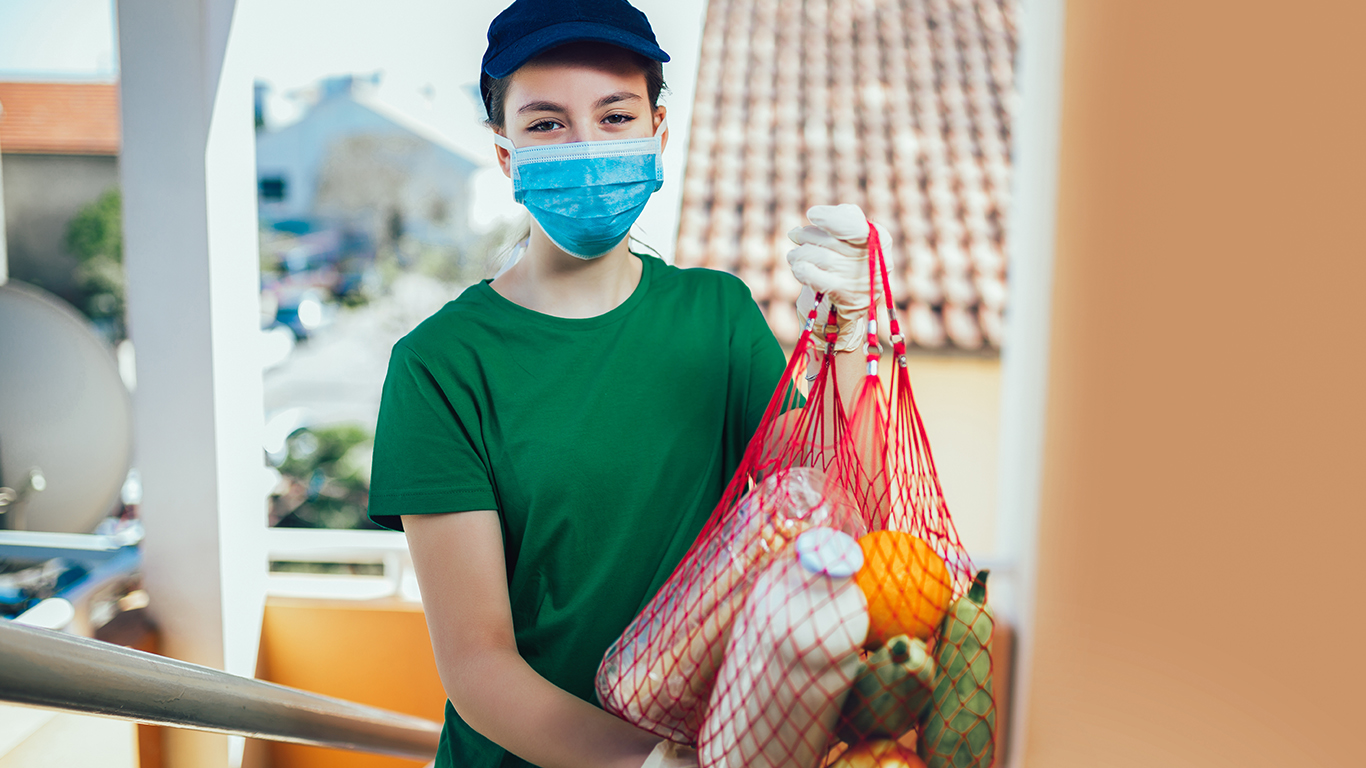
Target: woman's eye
[
  {"x": 618, "y": 119},
  {"x": 543, "y": 126}
]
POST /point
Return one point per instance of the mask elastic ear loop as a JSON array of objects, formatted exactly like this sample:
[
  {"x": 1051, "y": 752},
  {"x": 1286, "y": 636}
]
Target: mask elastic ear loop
[
  {"x": 659, "y": 152},
  {"x": 506, "y": 143}
]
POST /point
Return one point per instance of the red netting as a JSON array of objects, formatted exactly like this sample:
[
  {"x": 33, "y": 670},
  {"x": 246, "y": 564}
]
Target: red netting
[{"x": 824, "y": 612}]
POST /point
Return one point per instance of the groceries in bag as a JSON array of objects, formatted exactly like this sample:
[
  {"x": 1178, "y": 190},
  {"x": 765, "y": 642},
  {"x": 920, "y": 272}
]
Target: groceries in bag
[
  {"x": 790, "y": 661},
  {"x": 907, "y": 585},
  {"x": 960, "y": 728},
  {"x": 879, "y": 753},
  {"x": 891, "y": 692},
  {"x": 659, "y": 674},
  {"x": 662, "y": 674}
]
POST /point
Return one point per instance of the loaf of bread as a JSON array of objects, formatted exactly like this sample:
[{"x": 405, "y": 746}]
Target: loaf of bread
[{"x": 660, "y": 673}]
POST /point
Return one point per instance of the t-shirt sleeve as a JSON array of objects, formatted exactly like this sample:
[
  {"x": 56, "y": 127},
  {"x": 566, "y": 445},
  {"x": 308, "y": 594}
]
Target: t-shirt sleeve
[
  {"x": 428, "y": 455},
  {"x": 764, "y": 362}
]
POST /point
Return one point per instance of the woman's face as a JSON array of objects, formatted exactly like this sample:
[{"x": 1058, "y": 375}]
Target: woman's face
[{"x": 556, "y": 100}]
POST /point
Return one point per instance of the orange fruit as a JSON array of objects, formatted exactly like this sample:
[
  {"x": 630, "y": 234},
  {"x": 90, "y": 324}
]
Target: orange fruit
[
  {"x": 907, "y": 586},
  {"x": 880, "y": 753}
]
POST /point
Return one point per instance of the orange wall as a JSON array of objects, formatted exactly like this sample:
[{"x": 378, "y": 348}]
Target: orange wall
[
  {"x": 376, "y": 653},
  {"x": 1202, "y": 527}
]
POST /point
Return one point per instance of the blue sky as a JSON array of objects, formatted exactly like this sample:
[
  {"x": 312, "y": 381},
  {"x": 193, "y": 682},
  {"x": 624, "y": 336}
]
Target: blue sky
[{"x": 68, "y": 39}]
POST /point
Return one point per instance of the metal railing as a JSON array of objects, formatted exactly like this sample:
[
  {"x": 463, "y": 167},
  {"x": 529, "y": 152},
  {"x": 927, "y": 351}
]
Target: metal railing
[{"x": 42, "y": 668}]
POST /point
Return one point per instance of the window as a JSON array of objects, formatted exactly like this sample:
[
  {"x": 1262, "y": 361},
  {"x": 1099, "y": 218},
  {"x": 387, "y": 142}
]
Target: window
[{"x": 273, "y": 189}]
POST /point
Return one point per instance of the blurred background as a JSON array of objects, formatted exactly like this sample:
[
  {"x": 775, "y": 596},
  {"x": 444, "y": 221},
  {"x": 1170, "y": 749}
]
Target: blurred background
[
  {"x": 1126, "y": 255},
  {"x": 378, "y": 198}
]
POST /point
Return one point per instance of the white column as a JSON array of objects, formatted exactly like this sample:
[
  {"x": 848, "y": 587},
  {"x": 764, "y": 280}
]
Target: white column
[
  {"x": 4, "y": 252},
  {"x": 191, "y": 258},
  {"x": 1024, "y": 358}
]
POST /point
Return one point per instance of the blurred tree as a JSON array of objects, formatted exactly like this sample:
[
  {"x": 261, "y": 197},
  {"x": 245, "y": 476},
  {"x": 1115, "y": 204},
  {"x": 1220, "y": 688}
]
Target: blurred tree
[
  {"x": 95, "y": 237},
  {"x": 325, "y": 479}
]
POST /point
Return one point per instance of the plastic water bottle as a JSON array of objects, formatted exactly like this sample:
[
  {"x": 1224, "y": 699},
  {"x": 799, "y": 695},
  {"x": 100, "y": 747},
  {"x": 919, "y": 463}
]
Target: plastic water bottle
[{"x": 792, "y": 656}]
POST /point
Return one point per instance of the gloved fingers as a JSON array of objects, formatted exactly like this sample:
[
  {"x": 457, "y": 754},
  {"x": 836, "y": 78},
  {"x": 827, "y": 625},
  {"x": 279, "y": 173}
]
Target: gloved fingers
[
  {"x": 843, "y": 279},
  {"x": 811, "y": 235},
  {"x": 835, "y": 288},
  {"x": 845, "y": 221},
  {"x": 806, "y": 301},
  {"x": 819, "y": 279},
  {"x": 828, "y": 260}
]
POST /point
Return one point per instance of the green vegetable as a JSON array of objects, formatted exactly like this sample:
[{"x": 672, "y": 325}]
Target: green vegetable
[
  {"x": 960, "y": 729},
  {"x": 891, "y": 692}
]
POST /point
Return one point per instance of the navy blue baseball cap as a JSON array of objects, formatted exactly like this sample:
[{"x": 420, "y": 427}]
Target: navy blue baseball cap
[{"x": 529, "y": 27}]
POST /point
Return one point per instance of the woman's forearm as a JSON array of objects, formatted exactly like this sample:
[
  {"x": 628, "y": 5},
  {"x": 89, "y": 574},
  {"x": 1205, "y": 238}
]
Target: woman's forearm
[
  {"x": 851, "y": 370},
  {"x": 499, "y": 695},
  {"x": 459, "y": 562}
]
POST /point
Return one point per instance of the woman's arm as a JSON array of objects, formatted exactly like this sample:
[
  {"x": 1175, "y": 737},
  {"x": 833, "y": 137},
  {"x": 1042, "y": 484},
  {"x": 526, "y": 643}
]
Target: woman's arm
[
  {"x": 458, "y": 559},
  {"x": 851, "y": 371}
]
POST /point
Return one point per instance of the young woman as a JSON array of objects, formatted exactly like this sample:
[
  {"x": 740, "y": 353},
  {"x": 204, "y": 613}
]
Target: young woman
[{"x": 553, "y": 440}]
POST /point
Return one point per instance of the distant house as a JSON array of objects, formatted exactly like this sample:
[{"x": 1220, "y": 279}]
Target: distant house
[
  {"x": 59, "y": 150},
  {"x": 353, "y": 162}
]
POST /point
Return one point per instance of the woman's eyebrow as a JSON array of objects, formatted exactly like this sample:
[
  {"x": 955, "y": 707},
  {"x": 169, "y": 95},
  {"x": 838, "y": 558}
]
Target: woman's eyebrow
[
  {"x": 541, "y": 106},
  {"x": 550, "y": 106},
  {"x": 614, "y": 98}
]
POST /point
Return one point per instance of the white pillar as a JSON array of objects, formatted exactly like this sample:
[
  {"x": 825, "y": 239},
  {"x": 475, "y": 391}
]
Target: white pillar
[
  {"x": 188, "y": 178},
  {"x": 4, "y": 251},
  {"x": 1024, "y": 357}
]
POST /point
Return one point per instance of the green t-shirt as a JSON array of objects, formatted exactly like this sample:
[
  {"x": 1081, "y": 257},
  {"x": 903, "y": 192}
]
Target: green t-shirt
[{"x": 603, "y": 443}]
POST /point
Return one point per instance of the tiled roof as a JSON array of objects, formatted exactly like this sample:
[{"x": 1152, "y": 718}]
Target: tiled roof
[
  {"x": 59, "y": 118},
  {"x": 900, "y": 106}
]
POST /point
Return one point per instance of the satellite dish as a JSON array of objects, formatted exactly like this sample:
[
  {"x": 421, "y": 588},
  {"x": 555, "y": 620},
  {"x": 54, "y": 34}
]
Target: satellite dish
[{"x": 65, "y": 416}]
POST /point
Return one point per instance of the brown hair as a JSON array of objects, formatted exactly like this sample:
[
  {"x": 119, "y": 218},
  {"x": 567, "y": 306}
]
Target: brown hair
[{"x": 495, "y": 90}]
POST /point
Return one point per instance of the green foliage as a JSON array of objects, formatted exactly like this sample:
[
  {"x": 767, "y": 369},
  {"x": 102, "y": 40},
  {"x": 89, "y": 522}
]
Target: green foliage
[
  {"x": 323, "y": 447},
  {"x": 96, "y": 231},
  {"x": 326, "y": 478},
  {"x": 95, "y": 237}
]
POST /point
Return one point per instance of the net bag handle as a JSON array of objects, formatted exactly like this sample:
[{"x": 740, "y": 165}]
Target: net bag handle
[{"x": 901, "y": 399}]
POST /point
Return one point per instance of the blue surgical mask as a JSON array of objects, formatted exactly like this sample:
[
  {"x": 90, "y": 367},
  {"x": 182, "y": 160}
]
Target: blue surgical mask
[{"x": 586, "y": 194}]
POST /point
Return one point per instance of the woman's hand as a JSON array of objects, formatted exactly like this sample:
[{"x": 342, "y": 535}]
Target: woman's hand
[
  {"x": 670, "y": 755},
  {"x": 831, "y": 257}
]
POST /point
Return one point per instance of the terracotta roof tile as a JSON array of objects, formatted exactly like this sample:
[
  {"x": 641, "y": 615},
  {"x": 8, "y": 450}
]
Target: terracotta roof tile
[
  {"x": 901, "y": 106},
  {"x": 59, "y": 118}
]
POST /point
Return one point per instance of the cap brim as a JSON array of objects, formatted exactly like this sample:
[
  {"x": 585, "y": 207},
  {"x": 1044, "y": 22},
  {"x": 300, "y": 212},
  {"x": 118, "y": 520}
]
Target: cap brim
[{"x": 527, "y": 48}]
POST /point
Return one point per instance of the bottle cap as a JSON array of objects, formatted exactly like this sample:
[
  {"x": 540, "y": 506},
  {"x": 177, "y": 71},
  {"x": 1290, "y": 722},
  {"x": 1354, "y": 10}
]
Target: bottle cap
[{"x": 826, "y": 550}]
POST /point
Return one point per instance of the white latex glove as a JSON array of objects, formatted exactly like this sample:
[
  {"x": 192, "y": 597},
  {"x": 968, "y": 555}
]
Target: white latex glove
[
  {"x": 670, "y": 755},
  {"x": 831, "y": 257}
]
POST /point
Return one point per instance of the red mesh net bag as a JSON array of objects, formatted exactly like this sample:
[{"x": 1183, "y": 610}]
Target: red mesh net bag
[{"x": 827, "y": 613}]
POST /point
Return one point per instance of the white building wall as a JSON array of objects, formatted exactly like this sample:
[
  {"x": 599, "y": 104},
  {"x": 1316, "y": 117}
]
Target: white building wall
[
  {"x": 41, "y": 194},
  {"x": 960, "y": 403},
  {"x": 339, "y": 129}
]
